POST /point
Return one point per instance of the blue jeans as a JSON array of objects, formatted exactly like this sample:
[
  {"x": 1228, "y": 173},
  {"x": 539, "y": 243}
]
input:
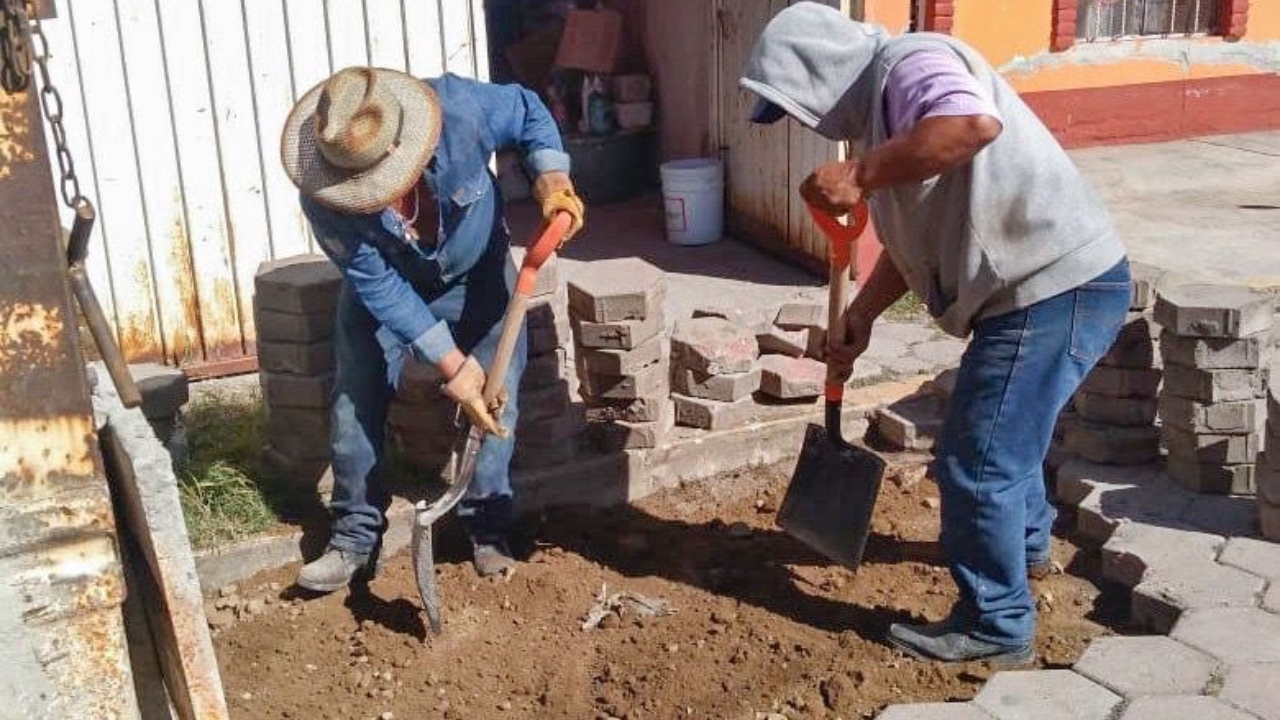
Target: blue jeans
[
  {"x": 1017, "y": 374},
  {"x": 369, "y": 362}
]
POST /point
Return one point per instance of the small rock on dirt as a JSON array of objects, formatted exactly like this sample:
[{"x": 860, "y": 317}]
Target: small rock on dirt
[
  {"x": 835, "y": 691},
  {"x": 930, "y": 502}
]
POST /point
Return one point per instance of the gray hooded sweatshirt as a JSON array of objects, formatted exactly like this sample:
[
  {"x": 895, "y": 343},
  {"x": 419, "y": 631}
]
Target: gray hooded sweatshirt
[{"x": 1015, "y": 226}]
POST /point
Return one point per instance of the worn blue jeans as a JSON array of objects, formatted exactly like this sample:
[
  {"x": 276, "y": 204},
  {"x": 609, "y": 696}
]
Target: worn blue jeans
[
  {"x": 1017, "y": 374},
  {"x": 369, "y": 362}
]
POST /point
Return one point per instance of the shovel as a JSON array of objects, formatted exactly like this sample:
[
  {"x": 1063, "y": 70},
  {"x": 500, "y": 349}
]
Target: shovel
[
  {"x": 833, "y": 491},
  {"x": 467, "y": 448}
]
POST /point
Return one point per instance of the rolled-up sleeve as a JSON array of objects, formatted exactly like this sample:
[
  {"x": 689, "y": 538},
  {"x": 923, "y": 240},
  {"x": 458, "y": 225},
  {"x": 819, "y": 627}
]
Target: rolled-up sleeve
[{"x": 350, "y": 243}]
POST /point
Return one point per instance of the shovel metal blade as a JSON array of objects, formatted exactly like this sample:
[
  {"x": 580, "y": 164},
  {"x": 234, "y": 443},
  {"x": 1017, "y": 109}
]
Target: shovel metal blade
[
  {"x": 832, "y": 495},
  {"x": 424, "y": 569}
]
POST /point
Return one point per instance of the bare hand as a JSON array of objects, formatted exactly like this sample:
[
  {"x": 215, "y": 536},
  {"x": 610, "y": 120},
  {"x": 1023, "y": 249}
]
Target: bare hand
[
  {"x": 857, "y": 335},
  {"x": 833, "y": 188}
]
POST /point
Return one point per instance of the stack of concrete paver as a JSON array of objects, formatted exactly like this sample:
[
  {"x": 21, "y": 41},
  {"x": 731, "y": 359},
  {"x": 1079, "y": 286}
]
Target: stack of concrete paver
[
  {"x": 714, "y": 373},
  {"x": 1269, "y": 464},
  {"x": 420, "y": 421},
  {"x": 550, "y": 422},
  {"x": 295, "y": 302},
  {"x": 621, "y": 354},
  {"x": 1212, "y": 408},
  {"x": 1113, "y": 415},
  {"x": 164, "y": 391}
]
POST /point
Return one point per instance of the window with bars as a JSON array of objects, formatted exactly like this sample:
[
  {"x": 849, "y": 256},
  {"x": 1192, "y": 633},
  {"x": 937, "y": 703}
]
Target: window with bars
[{"x": 1117, "y": 19}]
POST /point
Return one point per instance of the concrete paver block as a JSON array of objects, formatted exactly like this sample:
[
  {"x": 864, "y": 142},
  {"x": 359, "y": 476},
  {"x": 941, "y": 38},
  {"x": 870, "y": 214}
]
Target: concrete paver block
[
  {"x": 618, "y": 289},
  {"x": 164, "y": 389},
  {"x": 282, "y": 390},
  {"x": 1253, "y": 556},
  {"x": 1133, "y": 348},
  {"x": 618, "y": 335},
  {"x": 725, "y": 388},
  {"x": 1268, "y": 474},
  {"x": 1046, "y": 695},
  {"x": 545, "y": 368},
  {"x": 774, "y": 340},
  {"x": 1232, "y": 635},
  {"x": 546, "y": 401},
  {"x": 548, "y": 275},
  {"x": 1253, "y": 688},
  {"x": 303, "y": 284},
  {"x": 713, "y": 414},
  {"x": 1269, "y": 519},
  {"x": 1214, "y": 386},
  {"x": 1226, "y": 515},
  {"x": 1144, "y": 280},
  {"x": 1123, "y": 382},
  {"x": 1213, "y": 353},
  {"x": 1152, "y": 665},
  {"x": 1205, "y": 448},
  {"x": 1213, "y": 311},
  {"x": 1122, "y": 412},
  {"x": 1166, "y": 592},
  {"x": 934, "y": 711},
  {"x": 272, "y": 325},
  {"x": 1114, "y": 445},
  {"x": 622, "y": 362},
  {"x": 1227, "y": 418},
  {"x": 1105, "y": 496},
  {"x": 555, "y": 429},
  {"x": 622, "y": 435},
  {"x": 743, "y": 317},
  {"x": 644, "y": 409},
  {"x": 546, "y": 311},
  {"x": 531, "y": 456},
  {"x": 308, "y": 422},
  {"x": 1137, "y": 549},
  {"x": 940, "y": 353},
  {"x": 544, "y": 339},
  {"x": 906, "y": 365},
  {"x": 1182, "y": 706},
  {"x": 713, "y": 346},
  {"x": 1212, "y": 478},
  {"x": 787, "y": 378},
  {"x": 903, "y": 332},
  {"x": 297, "y": 358},
  {"x": 912, "y": 424},
  {"x": 646, "y": 382},
  {"x": 817, "y": 348},
  {"x": 800, "y": 315},
  {"x": 314, "y": 475},
  {"x": 884, "y": 348}
]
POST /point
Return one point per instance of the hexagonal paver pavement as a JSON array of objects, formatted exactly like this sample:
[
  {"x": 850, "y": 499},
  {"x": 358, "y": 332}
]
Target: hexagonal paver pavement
[
  {"x": 1174, "y": 707},
  {"x": 933, "y": 711},
  {"x": 1136, "y": 548},
  {"x": 1255, "y": 688},
  {"x": 1259, "y": 557},
  {"x": 1168, "y": 590},
  {"x": 1137, "y": 666},
  {"x": 1271, "y": 601},
  {"x": 1045, "y": 695},
  {"x": 1233, "y": 635}
]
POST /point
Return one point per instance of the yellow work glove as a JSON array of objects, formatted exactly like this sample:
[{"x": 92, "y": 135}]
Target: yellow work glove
[
  {"x": 466, "y": 388},
  {"x": 555, "y": 192}
]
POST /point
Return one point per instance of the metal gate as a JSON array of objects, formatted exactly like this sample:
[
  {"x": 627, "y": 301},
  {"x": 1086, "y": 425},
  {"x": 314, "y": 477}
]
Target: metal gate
[{"x": 174, "y": 109}]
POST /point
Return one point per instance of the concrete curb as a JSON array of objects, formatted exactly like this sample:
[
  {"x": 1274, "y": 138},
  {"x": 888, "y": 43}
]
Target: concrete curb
[{"x": 605, "y": 480}]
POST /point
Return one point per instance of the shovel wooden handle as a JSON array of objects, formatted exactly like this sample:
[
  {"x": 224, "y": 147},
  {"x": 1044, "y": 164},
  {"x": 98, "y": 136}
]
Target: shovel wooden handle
[{"x": 549, "y": 238}]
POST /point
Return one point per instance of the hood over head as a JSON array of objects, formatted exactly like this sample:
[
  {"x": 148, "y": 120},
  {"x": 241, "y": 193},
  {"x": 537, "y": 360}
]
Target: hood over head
[{"x": 810, "y": 61}]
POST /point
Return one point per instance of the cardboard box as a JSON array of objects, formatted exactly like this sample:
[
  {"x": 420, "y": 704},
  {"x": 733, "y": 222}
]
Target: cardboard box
[{"x": 592, "y": 41}]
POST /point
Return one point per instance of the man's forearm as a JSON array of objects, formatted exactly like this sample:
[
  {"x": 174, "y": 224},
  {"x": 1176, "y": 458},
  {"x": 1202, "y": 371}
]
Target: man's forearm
[
  {"x": 883, "y": 288},
  {"x": 933, "y": 147}
]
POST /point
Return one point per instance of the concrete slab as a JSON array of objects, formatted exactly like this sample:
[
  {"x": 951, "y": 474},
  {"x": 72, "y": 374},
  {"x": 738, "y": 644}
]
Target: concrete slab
[
  {"x": 1185, "y": 706},
  {"x": 1213, "y": 310},
  {"x": 934, "y": 711},
  {"x": 1139, "y": 666},
  {"x": 1219, "y": 418},
  {"x": 625, "y": 288},
  {"x": 725, "y": 388},
  {"x": 787, "y": 378},
  {"x": 1046, "y": 695},
  {"x": 1166, "y": 592},
  {"x": 1253, "y": 687},
  {"x": 713, "y": 414},
  {"x": 1214, "y": 386},
  {"x": 1232, "y": 635},
  {"x": 1137, "y": 549},
  {"x": 912, "y": 424},
  {"x": 622, "y": 362},
  {"x": 713, "y": 346},
  {"x": 1254, "y": 556},
  {"x": 1214, "y": 353}
]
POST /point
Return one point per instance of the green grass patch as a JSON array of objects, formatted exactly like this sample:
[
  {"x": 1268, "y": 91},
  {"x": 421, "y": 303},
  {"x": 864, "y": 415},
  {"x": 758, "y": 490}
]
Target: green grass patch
[
  {"x": 225, "y": 493},
  {"x": 907, "y": 307}
]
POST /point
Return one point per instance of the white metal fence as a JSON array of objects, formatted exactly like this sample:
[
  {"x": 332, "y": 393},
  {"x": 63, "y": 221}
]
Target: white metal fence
[{"x": 174, "y": 109}]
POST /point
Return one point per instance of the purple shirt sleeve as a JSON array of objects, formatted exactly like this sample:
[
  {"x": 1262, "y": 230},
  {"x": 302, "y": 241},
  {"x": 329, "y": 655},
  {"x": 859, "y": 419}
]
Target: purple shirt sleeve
[{"x": 932, "y": 84}]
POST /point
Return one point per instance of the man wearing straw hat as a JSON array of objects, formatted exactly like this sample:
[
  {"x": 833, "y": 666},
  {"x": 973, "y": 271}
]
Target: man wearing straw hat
[{"x": 394, "y": 177}]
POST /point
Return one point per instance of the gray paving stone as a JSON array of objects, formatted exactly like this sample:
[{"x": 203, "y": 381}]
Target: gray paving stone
[
  {"x": 622, "y": 362},
  {"x": 934, "y": 711},
  {"x": 1213, "y": 311},
  {"x": 913, "y": 423},
  {"x": 531, "y": 456},
  {"x": 787, "y": 378},
  {"x": 1271, "y": 601},
  {"x": 1166, "y": 592},
  {"x": 551, "y": 429},
  {"x": 545, "y": 368},
  {"x": 1137, "y": 549},
  {"x": 164, "y": 389},
  {"x": 1176, "y": 707},
  {"x": 297, "y": 358},
  {"x": 275, "y": 326},
  {"x": 1214, "y": 386},
  {"x": 801, "y": 315},
  {"x": 1232, "y": 635},
  {"x": 1226, "y": 515},
  {"x": 725, "y": 388},
  {"x": 1212, "y": 478},
  {"x": 1105, "y": 496},
  {"x": 1143, "y": 281},
  {"x": 544, "y": 338},
  {"x": 713, "y": 346},
  {"x": 906, "y": 365},
  {"x": 774, "y": 340},
  {"x": 1122, "y": 382},
  {"x": 643, "y": 409},
  {"x": 940, "y": 353},
  {"x": 302, "y": 284},
  {"x": 617, "y": 289},
  {"x": 546, "y": 401},
  {"x": 1213, "y": 353},
  {"x": 1045, "y": 695},
  {"x": 906, "y": 333},
  {"x": 817, "y": 348},
  {"x": 1254, "y": 556},
  {"x": 881, "y": 349},
  {"x": 548, "y": 275},
  {"x": 1254, "y": 687},
  {"x": 1114, "y": 445},
  {"x": 281, "y": 390},
  {"x": 1268, "y": 474},
  {"x": 713, "y": 414},
  {"x": 1133, "y": 349},
  {"x": 619, "y": 335},
  {"x": 1218, "y": 418},
  {"x": 1209, "y": 448},
  {"x": 1151, "y": 665},
  {"x": 865, "y": 372},
  {"x": 1269, "y": 520},
  {"x": 646, "y": 382},
  {"x": 1122, "y": 412},
  {"x": 547, "y": 311},
  {"x": 747, "y": 318},
  {"x": 622, "y": 435}
]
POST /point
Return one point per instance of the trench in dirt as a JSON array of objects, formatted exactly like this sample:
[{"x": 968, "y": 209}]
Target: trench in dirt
[{"x": 761, "y": 624}]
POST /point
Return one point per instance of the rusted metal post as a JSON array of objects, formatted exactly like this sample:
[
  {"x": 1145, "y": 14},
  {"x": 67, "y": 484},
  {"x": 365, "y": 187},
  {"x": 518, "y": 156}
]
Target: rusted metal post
[{"x": 62, "y": 642}]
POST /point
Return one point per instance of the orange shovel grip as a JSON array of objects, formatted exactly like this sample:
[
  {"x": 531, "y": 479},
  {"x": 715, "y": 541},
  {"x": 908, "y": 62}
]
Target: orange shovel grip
[{"x": 548, "y": 240}]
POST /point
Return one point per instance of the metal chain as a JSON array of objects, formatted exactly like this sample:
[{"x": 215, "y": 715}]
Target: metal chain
[
  {"x": 51, "y": 106},
  {"x": 15, "y": 57}
]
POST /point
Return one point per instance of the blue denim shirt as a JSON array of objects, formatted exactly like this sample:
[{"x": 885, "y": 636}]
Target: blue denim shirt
[{"x": 479, "y": 119}]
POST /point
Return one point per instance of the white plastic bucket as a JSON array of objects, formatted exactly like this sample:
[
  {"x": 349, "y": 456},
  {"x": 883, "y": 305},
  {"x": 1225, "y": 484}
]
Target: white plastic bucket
[{"x": 693, "y": 196}]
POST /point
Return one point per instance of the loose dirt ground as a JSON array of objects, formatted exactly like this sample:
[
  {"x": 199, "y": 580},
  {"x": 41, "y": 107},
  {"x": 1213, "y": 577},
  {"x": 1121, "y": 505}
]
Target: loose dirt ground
[{"x": 762, "y": 625}]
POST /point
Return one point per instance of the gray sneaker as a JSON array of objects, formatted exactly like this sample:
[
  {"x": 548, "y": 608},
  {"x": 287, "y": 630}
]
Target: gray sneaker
[
  {"x": 943, "y": 641},
  {"x": 492, "y": 559},
  {"x": 335, "y": 569}
]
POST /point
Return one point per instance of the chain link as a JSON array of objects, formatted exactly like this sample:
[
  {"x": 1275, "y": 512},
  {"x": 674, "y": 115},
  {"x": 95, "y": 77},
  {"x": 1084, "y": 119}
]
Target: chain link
[{"x": 15, "y": 58}]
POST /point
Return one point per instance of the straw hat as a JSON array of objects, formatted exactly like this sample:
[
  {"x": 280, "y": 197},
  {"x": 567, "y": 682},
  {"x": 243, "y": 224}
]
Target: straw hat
[{"x": 359, "y": 140}]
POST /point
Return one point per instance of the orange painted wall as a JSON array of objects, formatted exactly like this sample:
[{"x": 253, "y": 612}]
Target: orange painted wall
[{"x": 894, "y": 15}]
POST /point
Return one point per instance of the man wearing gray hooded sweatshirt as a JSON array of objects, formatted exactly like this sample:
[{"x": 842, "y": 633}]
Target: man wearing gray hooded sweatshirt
[{"x": 984, "y": 216}]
